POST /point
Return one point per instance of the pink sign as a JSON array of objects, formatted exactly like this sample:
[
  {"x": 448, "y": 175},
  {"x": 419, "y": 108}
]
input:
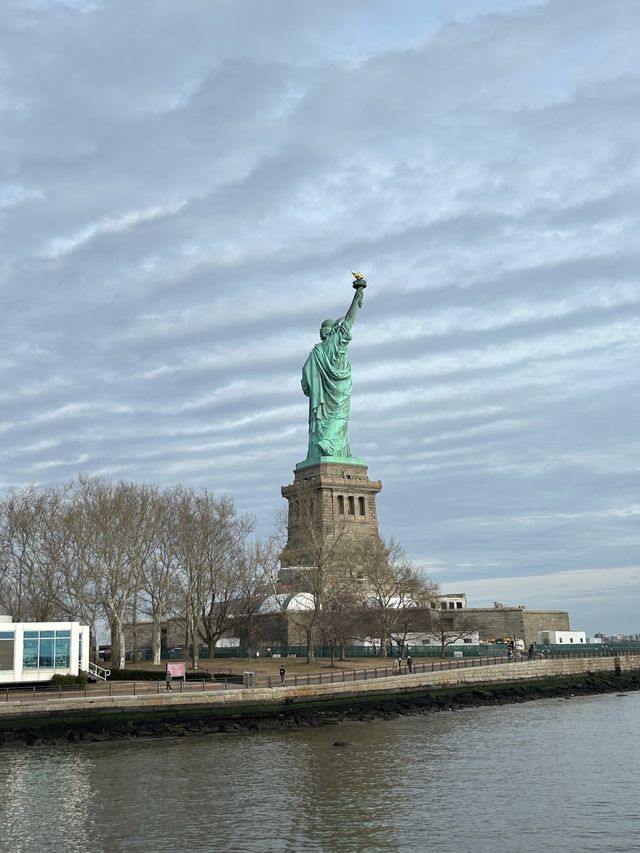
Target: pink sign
[{"x": 177, "y": 670}]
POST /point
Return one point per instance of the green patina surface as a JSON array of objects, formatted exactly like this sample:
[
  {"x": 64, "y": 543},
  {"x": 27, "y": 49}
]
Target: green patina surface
[
  {"x": 343, "y": 460},
  {"x": 326, "y": 381}
]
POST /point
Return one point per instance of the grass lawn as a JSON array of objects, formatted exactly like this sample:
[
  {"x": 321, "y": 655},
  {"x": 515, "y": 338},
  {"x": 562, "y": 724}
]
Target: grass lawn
[{"x": 271, "y": 666}]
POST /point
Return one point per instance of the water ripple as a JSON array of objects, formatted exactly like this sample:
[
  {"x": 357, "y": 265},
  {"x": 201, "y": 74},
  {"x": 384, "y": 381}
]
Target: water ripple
[{"x": 516, "y": 778}]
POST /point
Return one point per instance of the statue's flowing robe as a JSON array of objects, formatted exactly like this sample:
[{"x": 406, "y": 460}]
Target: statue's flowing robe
[{"x": 326, "y": 381}]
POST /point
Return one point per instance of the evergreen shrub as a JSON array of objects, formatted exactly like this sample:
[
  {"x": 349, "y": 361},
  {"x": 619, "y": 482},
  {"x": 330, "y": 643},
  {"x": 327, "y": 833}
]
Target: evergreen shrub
[{"x": 60, "y": 680}]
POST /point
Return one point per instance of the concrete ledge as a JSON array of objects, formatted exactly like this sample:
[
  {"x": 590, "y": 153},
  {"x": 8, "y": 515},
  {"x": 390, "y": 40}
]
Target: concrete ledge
[{"x": 391, "y": 686}]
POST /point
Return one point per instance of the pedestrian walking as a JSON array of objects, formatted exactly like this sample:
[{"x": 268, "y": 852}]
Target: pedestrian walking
[
  {"x": 530, "y": 653},
  {"x": 282, "y": 671},
  {"x": 396, "y": 666},
  {"x": 410, "y": 664},
  {"x": 167, "y": 680}
]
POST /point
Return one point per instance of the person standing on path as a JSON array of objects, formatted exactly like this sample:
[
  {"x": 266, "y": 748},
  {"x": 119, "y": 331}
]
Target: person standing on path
[
  {"x": 282, "y": 671},
  {"x": 410, "y": 664}
]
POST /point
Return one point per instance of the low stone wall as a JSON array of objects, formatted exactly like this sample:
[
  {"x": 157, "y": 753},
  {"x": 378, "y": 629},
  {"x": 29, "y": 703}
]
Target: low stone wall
[{"x": 392, "y": 686}]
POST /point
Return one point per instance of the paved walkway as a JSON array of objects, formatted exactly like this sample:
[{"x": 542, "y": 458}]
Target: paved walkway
[
  {"x": 31, "y": 695},
  {"x": 147, "y": 688}
]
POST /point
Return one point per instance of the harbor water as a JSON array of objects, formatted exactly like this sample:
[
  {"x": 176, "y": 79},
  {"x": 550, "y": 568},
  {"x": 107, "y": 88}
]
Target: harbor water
[{"x": 546, "y": 775}]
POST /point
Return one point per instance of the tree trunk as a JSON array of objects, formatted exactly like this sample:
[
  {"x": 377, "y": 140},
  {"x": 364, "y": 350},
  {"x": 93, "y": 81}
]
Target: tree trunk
[
  {"x": 94, "y": 651},
  {"x": 310, "y": 650},
  {"x": 192, "y": 640},
  {"x": 156, "y": 638},
  {"x": 134, "y": 626},
  {"x": 383, "y": 644},
  {"x": 195, "y": 652},
  {"x": 118, "y": 651}
]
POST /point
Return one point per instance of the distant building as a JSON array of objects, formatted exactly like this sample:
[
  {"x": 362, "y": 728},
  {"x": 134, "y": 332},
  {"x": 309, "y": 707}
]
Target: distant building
[
  {"x": 327, "y": 501},
  {"x": 616, "y": 638},
  {"x": 36, "y": 651},
  {"x": 281, "y": 619},
  {"x": 559, "y": 638},
  {"x": 450, "y": 601},
  {"x": 504, "y": 622},
  {"x": 470, "y": 638}
]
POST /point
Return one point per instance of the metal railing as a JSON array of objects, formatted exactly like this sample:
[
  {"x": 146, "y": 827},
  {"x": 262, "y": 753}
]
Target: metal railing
[
  {"x": 339, "y": 676},
  {"x": 99, "y": 671},
  {"x": 350, "y": 651}
]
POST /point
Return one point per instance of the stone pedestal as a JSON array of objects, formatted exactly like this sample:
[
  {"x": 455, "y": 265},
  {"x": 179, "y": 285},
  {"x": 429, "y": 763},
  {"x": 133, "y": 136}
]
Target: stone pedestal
[{"x": 329, "y": 499}]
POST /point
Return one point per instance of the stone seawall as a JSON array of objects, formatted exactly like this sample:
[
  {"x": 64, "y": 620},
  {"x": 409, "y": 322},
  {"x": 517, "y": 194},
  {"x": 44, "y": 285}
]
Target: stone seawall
[{"x": 122, "y": 715}]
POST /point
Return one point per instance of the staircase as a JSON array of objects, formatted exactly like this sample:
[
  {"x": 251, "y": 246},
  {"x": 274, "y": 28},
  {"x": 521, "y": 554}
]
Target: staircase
[{"x": 98, "y": 672}]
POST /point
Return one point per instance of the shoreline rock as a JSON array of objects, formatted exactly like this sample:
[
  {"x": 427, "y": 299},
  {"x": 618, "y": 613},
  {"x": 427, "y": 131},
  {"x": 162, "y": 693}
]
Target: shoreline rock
[{"x": 185, "y": 722}]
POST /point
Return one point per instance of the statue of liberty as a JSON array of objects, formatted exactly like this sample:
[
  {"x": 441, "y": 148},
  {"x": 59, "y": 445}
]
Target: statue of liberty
[{"x": 326, "y": 381}]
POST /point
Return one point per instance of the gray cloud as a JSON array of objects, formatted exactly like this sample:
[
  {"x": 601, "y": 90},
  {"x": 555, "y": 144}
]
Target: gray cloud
[{"x": 186, "y": 187}]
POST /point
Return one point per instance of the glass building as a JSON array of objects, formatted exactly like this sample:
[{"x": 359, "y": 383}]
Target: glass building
[{"x": 35, "y": 651}]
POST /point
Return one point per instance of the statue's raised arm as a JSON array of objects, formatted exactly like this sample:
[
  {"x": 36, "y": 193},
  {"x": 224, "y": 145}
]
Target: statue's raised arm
[
  {"x": 326, "y": 380},
  {"x": 359, "y": 284}
]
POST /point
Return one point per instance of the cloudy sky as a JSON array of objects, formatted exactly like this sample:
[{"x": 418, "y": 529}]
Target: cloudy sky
[{"x": 184, "y": 189}]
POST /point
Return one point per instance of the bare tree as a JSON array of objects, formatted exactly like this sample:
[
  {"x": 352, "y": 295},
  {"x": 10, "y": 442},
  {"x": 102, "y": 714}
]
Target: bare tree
[
  {"x": 213, "y": 564},
  {"x": 450, "y": 629},
  {"x": 5, "y": 578},
  {"x": 227, "y": 569},
  {"x": 339, "y": 618},
  {"x": 190, "y": 554},
  {"x": 35, "y": 549},
  {"x": 16, "y": 525},
  {"x": 256, "y": 586},
  {"x": 110, "y": 523},
  {"x": 325, "y": 559},
  {"x": 81, "y": 599},
  {"x": 394, "y": 589},
  {"x": 158, "y": 572}
]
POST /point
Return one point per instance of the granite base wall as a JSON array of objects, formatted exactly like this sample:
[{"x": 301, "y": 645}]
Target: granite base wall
[{"x": 392, "y": 685}]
